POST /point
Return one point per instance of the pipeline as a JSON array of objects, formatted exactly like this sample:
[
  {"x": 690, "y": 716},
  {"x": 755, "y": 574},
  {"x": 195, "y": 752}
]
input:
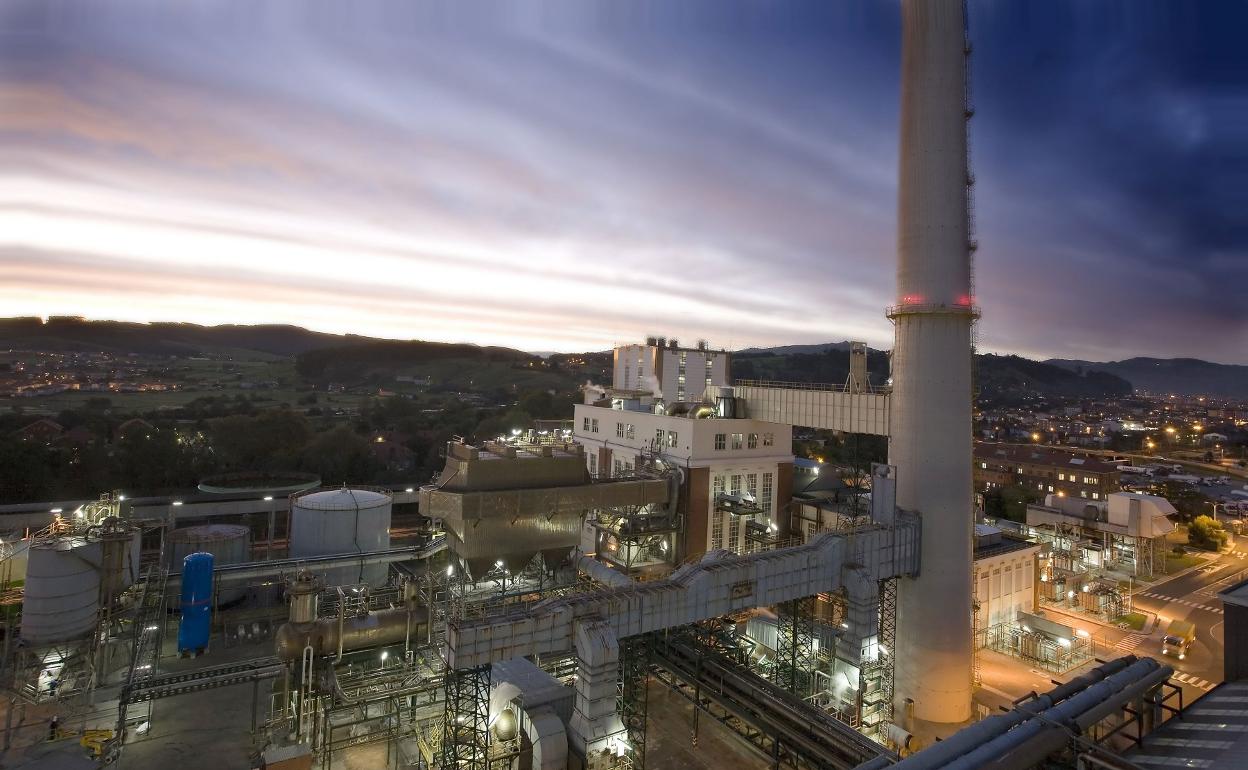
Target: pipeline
[
  {"x": 329, "y": 636},
  {"x": 1025, "y": 736},
  {"x": 602, "y": 573}
]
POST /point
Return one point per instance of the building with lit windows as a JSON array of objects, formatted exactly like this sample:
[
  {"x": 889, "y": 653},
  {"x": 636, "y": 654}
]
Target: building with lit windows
[
  {"x": 1044, "y": 471},
  {"x": 736, "y": 473}
]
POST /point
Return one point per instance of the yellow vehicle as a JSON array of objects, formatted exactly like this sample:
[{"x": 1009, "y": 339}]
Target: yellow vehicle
[
  {"x": 1179, "y": 637},
  {"x": 96, "y": 741}
]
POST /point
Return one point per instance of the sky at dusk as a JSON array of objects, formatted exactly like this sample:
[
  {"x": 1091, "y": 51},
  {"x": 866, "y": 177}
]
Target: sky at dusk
[{"x": 568, "y": 175}]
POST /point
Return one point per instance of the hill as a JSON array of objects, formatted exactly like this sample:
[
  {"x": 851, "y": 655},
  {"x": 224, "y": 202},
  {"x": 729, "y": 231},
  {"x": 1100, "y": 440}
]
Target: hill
[
  {"x": 1010, "y": 379},
  {"x": 69, "y": 334},
  {"x": 1181, "y": 376},
  {"x": 1000, "y": 379}
]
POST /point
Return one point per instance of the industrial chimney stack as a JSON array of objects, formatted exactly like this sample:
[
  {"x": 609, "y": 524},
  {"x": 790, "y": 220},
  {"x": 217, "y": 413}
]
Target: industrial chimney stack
[{"x": 931, "y": 402}]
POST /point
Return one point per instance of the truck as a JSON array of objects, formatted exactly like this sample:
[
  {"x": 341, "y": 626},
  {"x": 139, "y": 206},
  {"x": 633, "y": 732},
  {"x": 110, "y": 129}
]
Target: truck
[{"x": 1179, "y": 637}]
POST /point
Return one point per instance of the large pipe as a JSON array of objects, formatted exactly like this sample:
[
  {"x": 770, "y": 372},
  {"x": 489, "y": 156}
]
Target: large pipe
[
  {"x": 327, "y": 636},
  {"x": 930, "y": 411},
  {"x": 969, "y": 738},
  {"x": 1030, "y": 743}
]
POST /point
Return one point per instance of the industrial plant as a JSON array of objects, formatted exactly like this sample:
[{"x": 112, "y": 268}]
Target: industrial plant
[{"x": 524, "y": 608}]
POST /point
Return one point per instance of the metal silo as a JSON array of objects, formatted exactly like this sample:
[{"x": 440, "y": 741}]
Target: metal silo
[
  {"x": 228, "y": 544},
  {"x": 196, "y": 623},
  {"x": 341, "y": 521},
  {"x": 62, "y": 592}
]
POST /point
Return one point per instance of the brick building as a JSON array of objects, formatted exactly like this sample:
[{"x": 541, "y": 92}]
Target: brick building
[{"x": 1044, "y": 471}]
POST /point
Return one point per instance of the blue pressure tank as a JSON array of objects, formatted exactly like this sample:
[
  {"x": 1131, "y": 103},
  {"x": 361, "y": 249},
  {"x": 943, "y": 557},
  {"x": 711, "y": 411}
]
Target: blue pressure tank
[{"x": 196, "y": 604}]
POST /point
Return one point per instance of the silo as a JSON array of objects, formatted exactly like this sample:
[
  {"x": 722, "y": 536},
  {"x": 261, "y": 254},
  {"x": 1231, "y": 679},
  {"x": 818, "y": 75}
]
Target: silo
[
  {"x": 193, "y": 631},
  {"x": 62, "y": 593},
  {"x": 341, "y": 521},
  {"x": 228, "y": 544}
]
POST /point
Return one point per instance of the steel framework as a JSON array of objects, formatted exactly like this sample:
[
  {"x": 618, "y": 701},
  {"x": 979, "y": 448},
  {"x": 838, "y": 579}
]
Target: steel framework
[
  {"x": 631, "y": 695},
  {"x": 465, "y": 728},
  {"x": 795, "y": 645},
  {"x": 877, "y": 676}
]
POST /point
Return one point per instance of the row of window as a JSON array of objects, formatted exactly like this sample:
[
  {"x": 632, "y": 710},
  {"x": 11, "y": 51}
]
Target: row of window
[
  {"x": 749, "y": 441},
  {"x": 1085, "y": 479},
  {"x": 589, "y": 426},
  {"x": 1082, "y": 493}
]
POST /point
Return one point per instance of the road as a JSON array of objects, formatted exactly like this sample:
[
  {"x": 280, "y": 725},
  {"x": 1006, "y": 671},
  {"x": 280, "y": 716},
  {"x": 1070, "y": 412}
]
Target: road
[{"x": 1192, "y": 597}]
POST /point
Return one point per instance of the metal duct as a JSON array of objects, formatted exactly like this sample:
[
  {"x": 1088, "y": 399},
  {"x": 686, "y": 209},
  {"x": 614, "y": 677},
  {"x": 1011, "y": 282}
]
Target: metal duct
[
  {"x": 1021, "y": 742},
  {"x": 969, "y": 738}
]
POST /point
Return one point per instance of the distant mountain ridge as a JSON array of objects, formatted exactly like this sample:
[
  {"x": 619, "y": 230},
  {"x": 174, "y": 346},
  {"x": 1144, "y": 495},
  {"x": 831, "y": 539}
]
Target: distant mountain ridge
[
  {"x": 823, "y": 362},
  {"x": 69, "y": 334},
  {"x": 999, "y": 379},
  {"x": 1180, "y": 376}
]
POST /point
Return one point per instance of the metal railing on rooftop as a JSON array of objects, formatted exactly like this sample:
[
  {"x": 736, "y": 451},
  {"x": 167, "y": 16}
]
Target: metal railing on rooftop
[{"x": 822, "y": 386}]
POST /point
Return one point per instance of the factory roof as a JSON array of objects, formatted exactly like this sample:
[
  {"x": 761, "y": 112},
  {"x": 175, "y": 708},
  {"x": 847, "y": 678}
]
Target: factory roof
[
  {"x": 1033, "y": 455},
  {"x": 1213, "y": 733}
]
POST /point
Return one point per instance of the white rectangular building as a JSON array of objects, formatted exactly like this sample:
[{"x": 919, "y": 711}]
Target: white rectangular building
[{"x": 671, "y": 373}]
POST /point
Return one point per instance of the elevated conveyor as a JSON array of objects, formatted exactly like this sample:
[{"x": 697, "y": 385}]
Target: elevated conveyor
[{"x": 813, "y": 405}]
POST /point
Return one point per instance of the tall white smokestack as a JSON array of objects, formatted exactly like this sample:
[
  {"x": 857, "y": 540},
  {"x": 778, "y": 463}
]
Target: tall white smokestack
[{"x": 931, "y": 403}]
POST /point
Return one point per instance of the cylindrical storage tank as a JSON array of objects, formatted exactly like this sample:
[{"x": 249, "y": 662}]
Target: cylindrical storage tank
[
  {"x": 228, "y": 544},
  {"x": 341, "y": 521},
  {"x": 120, "y": 549},
  {"x": 196, "y": 604},
  {"x": 62, "y": 592}
]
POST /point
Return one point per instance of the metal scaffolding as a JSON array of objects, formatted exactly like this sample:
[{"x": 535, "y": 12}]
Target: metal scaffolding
[
  {"x": 631, "y": 695},
  {"x": 795, "y": 645},
  {"x": 466, "y": 728},
  {"x": 877, "y": 676}
]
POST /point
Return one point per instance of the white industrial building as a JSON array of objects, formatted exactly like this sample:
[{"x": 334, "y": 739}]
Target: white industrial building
[
  {"x": 1126, "y": 532},
  {"x": 737, "y": 472},
  {"x": 671, "y": 372},
  {"x": 1005, "y": 576}
]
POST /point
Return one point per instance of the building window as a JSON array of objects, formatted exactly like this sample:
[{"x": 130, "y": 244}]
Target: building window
[
  {"x": 752, "y": 441},
  {"x": 717, "y": 484},
  {"x": 751, "y": 484},
  {"x": 658, "y": 437},
  {"x": 593, "y": 425},
  {"x": 769, "y": 439},
  {"x": 593, "y": 464},
  {"x": 1062, "y": 477},
  {"x": 737, "y": 438},
  {"x": 765, "y": 497},
  {"x": 1096, "y": 495},
  {"x": 734, "y": 533},
  {"x": 671, "y": 439},
  {"x": 629, "y": 433},
  {"x": 736, "y": 484},
  {"x": 1050, "y": 487},
  {"x": 719, "y": 441},
  {"x": 717, "y": 531},
  {"x": 628, "y": 375},
  {"x": 1083, "y": 493},
  {"x": 585, "y": 425},
  {"x": 619, "y": 430},
  {"x": 619, "y": 468}
]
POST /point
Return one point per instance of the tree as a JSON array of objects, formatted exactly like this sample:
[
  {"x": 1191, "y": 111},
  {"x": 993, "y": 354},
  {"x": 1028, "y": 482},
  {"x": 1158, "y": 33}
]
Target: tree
[
  {"x": 1206, "y": 533},
  {"x": 341, "y": 456}
]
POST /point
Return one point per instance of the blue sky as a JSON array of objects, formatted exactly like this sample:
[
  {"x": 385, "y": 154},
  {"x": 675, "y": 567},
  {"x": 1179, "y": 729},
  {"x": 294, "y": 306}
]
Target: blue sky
[{"x": 566, "y": 175}]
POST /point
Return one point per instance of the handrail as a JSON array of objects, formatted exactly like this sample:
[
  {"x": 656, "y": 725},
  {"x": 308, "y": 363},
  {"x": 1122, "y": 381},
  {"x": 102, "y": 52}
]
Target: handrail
[{"x": 822, "y": 386}]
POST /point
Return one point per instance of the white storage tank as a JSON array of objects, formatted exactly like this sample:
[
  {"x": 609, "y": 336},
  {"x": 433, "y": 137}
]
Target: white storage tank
[
  {"x": 62, "y": 593},
  {"x": 228, "y": 544},
  {"x": 341, "y": 521}
]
